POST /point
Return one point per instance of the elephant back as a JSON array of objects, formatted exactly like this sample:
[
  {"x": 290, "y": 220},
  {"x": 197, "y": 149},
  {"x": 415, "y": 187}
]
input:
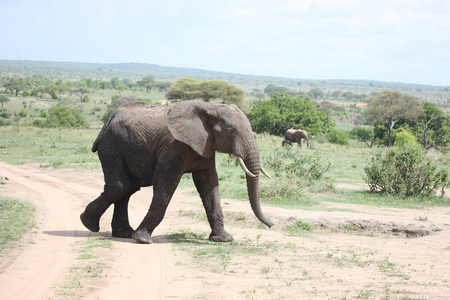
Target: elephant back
[{"x": 135, "y": 115}]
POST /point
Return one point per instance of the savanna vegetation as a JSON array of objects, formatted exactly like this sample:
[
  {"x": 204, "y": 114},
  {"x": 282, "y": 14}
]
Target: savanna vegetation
[
  {"x": 348, "y": 129},
  {"x": 360, "y": 152}
]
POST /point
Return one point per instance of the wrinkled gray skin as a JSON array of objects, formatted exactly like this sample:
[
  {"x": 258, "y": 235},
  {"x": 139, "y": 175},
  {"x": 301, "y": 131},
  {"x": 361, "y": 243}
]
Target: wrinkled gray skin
[
  {"x": 295, "y": 136},
  {"x": 147, "y": 145}
]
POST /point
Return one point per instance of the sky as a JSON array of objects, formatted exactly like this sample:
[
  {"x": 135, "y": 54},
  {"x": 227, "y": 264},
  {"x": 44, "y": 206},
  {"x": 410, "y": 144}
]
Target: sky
[{"x": 384, "y": 40}]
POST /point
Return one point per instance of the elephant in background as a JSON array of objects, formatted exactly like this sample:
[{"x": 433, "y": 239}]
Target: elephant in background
[
  {"x": 147, "y": 145},
  {"x": 295, "y": 136}
]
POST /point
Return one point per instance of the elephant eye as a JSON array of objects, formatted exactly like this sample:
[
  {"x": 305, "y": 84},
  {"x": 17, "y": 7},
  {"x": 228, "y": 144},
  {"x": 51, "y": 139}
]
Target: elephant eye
[{"x": 229, "y": 130}]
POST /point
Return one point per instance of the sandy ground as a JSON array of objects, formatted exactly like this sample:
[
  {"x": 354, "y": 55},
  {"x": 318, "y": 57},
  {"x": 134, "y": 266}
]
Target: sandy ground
[{"x": 356, "y": 251}]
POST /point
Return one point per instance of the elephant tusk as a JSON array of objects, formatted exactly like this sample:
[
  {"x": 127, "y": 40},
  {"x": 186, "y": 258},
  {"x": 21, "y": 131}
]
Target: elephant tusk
[
  {"x": 244, "y": 167},
  {"x": 265, "y": 172}
]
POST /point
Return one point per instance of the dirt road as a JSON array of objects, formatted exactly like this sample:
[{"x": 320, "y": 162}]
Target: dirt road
[{"x": 361, "y": 252}]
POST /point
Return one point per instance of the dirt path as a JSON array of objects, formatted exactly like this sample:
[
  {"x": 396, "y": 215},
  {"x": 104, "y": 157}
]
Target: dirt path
[
  {"x": 359, "y": 252},
  {"x": 32, "y": 271}
]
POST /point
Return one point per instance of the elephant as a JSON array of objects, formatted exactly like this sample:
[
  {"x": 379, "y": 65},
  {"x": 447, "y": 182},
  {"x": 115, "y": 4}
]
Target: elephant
[
  {"x": 295, "y": 136},
  {"x": 286, "y": 142},
  {"x": 142, "y": 144}
]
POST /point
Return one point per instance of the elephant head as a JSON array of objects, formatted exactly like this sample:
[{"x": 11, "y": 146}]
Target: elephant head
[{"x": 207, "y": 128}]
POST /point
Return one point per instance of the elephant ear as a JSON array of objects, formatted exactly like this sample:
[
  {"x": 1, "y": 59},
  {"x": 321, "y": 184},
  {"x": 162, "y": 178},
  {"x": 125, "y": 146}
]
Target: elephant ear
[{"x": 187, "y": 122}]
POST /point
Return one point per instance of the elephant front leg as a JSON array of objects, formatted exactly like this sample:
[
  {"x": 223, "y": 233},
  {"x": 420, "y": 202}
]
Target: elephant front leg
[{"x": 207, "y": 185}]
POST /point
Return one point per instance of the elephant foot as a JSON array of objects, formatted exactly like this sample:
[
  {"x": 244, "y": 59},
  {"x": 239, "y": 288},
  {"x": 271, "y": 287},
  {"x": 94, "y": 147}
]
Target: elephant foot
[
  {"x": 142, "y": 236},
  {"x": 90, "y": 223},
  {"x": 222, "y": 238},
  {"x": 122, "y": 232}
]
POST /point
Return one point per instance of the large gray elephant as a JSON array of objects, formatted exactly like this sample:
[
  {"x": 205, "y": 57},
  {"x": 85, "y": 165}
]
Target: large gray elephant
[
  {"x": 295, "y": 136},
  {"x": 147, "y": 145}
]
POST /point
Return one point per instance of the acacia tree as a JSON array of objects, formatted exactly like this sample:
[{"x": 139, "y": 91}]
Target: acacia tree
[
  {"x": 16, "y": 86},
  {"x": 81, "y": 91},
  {"x": 148, "y": 83},
  {"x": 183, "y": 89},
  {"x": 389, "y": 107},
  {"x": 207, "y": 90}
]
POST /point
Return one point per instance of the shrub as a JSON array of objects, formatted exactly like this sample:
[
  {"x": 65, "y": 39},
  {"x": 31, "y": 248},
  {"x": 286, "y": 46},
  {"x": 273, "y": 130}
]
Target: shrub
[
  {"x": 405, "y": 171},
  {"x": 337, "y": 137},
  {"x": 293, "y": 172},
  {"x": 404, "y": 137},
  {"x": 22, "y": 113},
  {"x": 291, "y": 162},
  {"x": 64, "y": 116},
  {"x": 5, "y": 122}
]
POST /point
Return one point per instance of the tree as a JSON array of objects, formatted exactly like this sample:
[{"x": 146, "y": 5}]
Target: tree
[
  {"x": 388, "y": 107},
  {"x": 183, "y": 89},
  {"x": 281, "y": 112},
  {"x": 117, "y": 84},
  {"x": 336, "y": 94},
  {"x": 16, "y": 85},
  {"x": 162, "y": 86},
  {"x": 81, "y": 91},
  {"x": 148, "y": 83},
  {"x": 316, "y": 93},
  {"x": 208, "y": 90},
  {"x": 330, "y": 108},
  {"x": 434, "y": 121},
  {"x": 212, "y": 89},
  {"x": 3, "y": 100},
  {"x": 60, "y": 90},
  {"x": 363, "y": 134},
  {"x": 273, "y": 89}
]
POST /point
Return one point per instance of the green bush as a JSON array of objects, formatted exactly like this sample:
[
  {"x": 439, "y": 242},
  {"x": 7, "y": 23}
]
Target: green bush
[
  {"x": 337, "y": 137},
  {"x": 405, "y": 171},
  {"x": 403, "y": 137},
  {"x": 22, "y": 113},
  {"x": 293, "y": 163},
  {"x": 293, "y": 171},
  {"x": 5, "y": 122},
  {"x": 64, "y": 116}
]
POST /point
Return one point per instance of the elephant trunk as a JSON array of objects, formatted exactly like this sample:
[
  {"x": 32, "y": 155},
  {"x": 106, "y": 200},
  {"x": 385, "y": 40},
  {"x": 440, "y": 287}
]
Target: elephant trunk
[{"x": 252, "y": 161}]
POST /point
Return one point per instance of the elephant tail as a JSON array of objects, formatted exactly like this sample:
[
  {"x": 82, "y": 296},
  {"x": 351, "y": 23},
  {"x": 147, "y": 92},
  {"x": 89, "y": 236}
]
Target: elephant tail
[{"x": 100, "y": 135}]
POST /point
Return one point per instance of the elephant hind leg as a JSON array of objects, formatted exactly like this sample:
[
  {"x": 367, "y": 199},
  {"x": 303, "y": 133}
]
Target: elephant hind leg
[
  {"x": 120, "y": 224},
  {"x": 92, "y": 213},
  {"x": 118, "y": 189}
]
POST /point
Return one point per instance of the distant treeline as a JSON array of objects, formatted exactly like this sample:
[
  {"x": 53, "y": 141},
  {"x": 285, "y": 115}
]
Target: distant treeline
[{"x": 136, "y": 71}]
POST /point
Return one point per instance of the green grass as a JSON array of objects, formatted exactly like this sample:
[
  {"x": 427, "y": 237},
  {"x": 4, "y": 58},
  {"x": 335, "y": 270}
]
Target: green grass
[
  {"x": 63, "y": 148},
  {"x": 300, "y": 228},
  {"x": 217, "y": 257},
  {"x": 70, "y": 148},
  {"x": 16, "y": 219}
]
